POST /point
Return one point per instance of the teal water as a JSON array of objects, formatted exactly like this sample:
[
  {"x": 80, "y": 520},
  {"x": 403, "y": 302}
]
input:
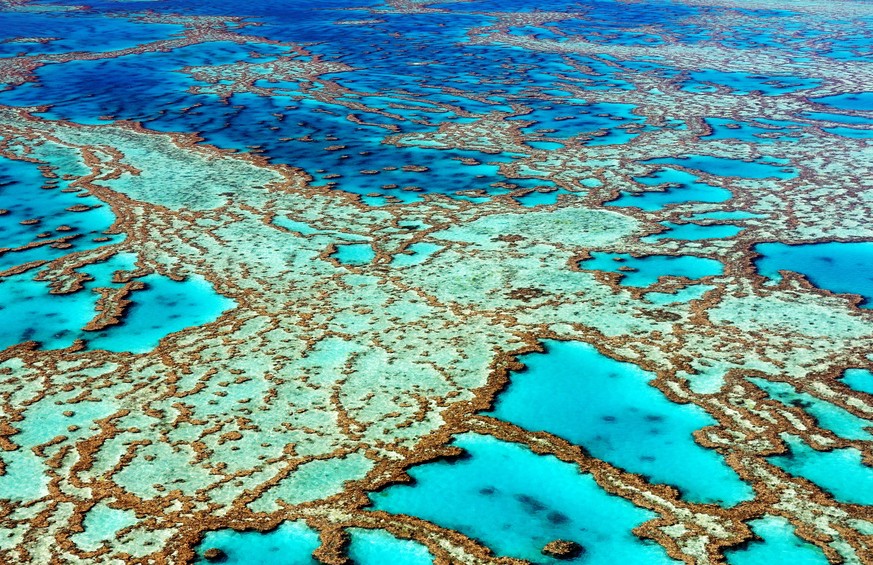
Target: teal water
[
  {"x": 859, "y": 101},
  {"x": 354, "y": 253},
  {"x": 407, "y": 73},
  {"x": 516, "y": 502},
  {"x": 720, "y": 166},
  {"x": 292, "y": 543},
  {"x": 859, "y": 379},
  {"x": 24, "y": 199},
  {"x": 840, "y": 472},
  {"x": 610, "y": 409},
  {"x": 777, "y": 543},
  {"x": 731, "y": 129},
  {"x": 101, "y": 524},
  {"x": 829, "y": 416},
  {"x": 839, "y": 118},
  {"x": 725, "y": 215},
  {"x": 56, "y": 320},
  {"x": 679, "y": 187},
  {"x": 834, "y": 266},
  {"x": 742, "y": 84},
  {"x": 537, "y": 198},
  {"x": 378, "y": 547},
  {"x": 645, "y": 271},
  {"x": 694, "y": 232}
]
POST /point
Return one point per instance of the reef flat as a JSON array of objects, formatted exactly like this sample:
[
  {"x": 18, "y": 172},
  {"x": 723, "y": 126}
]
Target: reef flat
[{"x": 436, "y": 282}]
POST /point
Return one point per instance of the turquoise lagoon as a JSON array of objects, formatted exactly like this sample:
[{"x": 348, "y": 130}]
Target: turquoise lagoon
[
  {"x": 646, "y": 271},
  {"x": 376, "y": 547},
  {"x": 678, "y": 186},
  {"x": 516, "y": 502},
  {"x": 839, "y": 472},
  {"x": 859, "y": 379},
  {"x": 625, "y": 421},
  {"x": 291, "y": 543},
  {"x": 835, "y": 266},
  {"x": 56, "y": 321},
  {"x": 775, "y": 542}
]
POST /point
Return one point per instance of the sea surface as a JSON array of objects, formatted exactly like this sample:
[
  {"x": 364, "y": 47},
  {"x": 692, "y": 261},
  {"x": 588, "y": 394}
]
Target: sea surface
[{"x": 436, "y": 281}]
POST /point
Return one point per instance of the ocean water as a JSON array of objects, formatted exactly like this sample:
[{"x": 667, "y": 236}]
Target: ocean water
[
  {"x": 517, "y": 502},
  {"x": 678, "y": 187},
  {"x": 626, "y": 422},
  {"x": 859, "y": 379},
  {"x": 775, "y": 542},
  {"x": 260, "y": 263},
  {"x": 291, "y": 542},
  {"x": 373, "y": 547},
  {"x": 840, "y": 473},
  {"x": 836, "y": 266},
  {"x": 646, "y": 271}
]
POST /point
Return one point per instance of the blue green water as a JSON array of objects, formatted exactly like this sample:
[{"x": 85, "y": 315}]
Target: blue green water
[
  {"x": 22, "y": 195},
  {"x": 612, "y": 411},
  {"x": 721, "y": 166},
  {"x": 859, "y": 379},
  {"x": 56, "y": 321},
  {"x": 742, "y": 84},
  {"x": 839, "y": 472},
  {"x": 516, "y": 502},
  {"x": 694, "y": 232},
  {"x": 730, "y": 129},
  {"x": 291, "y": 543},
  {"x": 829, "y": 416},
  {"x": 354, "y": 253},
  {"x": 589, "y": 97},
  {"x": 679, "y": 187},
  {"x": 835, "y": 266},
  {"x": 419, "y": 252},
  {"x": 690, "y": 292},
  {"x": 645, "y": 271},
  {"x": 377, "y": 547},
  {"x": 775, "y": 542}
]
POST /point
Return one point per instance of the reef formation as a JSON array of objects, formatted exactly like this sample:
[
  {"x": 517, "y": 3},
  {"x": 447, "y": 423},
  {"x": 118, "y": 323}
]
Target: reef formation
[{"x": 449, "y": 282}]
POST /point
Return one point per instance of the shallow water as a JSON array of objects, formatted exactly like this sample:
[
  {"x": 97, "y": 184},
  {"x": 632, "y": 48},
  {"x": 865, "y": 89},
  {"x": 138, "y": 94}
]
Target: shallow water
[
  {"x": 163, "y": 307},
  {"x": 776, "y": 543},
  {"x": 839, "y": 473},
  {"x": 680, "y": 187},
  {"x": 516, "y": 502},
  {"x": 834, "y": 266},
  {"x": 610, "y": 409},
  {"x": 291, "y": 542},
  {"x": 375, "y": 547},
  {"x": 268, "y": 152},
  {"x": 645, "y": 271},
  {"x": 829, "y": 416},
  {"x": 859, "y": 379}
]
